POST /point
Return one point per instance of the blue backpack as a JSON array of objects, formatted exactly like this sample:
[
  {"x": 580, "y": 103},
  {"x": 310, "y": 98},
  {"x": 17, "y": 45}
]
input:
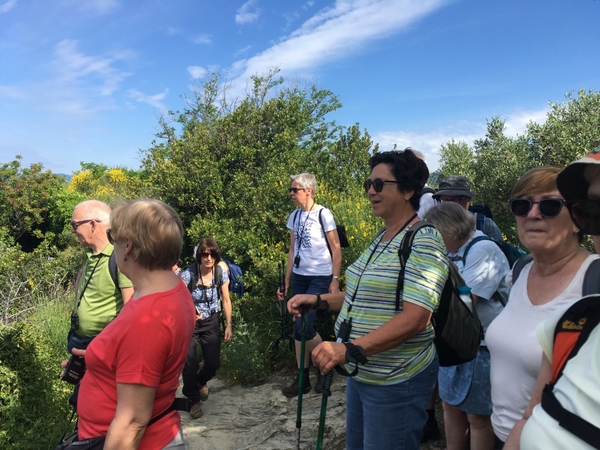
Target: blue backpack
[{"x": 236, "y": 285}]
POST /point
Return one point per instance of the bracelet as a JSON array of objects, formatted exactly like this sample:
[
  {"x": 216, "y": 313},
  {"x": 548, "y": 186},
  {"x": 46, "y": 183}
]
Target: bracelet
[
  {"x": 229, "y": 323},
  {"x": 318, "y": 303},
  {"x": 355, "y": 354}
]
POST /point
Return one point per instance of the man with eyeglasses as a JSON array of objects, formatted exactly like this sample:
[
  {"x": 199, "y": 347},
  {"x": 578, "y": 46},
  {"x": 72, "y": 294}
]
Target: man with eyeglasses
[
  {"x": 98, "y": 299},
  {"x": 456, "y": 188}
]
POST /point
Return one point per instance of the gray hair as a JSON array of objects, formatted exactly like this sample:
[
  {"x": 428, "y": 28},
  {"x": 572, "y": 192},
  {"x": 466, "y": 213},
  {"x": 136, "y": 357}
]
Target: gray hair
[
  {"x": 305, "y": 180},
  {"x": 452, "y": 220}
]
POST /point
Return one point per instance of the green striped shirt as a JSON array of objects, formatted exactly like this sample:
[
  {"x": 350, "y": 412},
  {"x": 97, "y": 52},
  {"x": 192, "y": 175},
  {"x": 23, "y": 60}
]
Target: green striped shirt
[{"x": 375, "y": 302}]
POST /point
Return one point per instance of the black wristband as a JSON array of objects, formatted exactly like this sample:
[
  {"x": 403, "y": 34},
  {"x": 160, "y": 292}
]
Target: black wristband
[
  {"x": 355, "y": 353},
  {"x": 319, "y": 301}
]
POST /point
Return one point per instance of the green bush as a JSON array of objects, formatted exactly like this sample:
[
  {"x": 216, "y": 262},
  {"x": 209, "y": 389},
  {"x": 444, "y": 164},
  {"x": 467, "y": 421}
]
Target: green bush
[{"x": 34, "y": 408}]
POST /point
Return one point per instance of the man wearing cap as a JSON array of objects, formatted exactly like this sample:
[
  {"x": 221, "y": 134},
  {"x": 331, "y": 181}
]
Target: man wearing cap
[
  {"x": 578, "y": 389},
  {"x": 457, "y": 189}
]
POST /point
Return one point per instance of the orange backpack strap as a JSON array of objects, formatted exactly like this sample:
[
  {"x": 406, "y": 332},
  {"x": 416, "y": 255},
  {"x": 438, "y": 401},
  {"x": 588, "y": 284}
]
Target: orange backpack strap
[{"x": 572, "y": 331}]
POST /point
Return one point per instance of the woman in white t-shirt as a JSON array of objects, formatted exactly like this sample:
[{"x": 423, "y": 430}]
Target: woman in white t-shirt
[
  {"x": 553, "y": 278},
  {"x": 314, "y": 258},
  {"x": 465, "y": 389},
  {"x": 578, "y": 389}
]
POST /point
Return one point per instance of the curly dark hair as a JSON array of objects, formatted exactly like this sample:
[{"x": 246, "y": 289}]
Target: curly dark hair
[{"x": 410, "y": 171}]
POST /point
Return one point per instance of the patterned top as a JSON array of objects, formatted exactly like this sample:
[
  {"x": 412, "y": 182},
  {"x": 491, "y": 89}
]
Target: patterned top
[
  {"x": 375, "y": 302},
  {"x": 206, "y": 298}
]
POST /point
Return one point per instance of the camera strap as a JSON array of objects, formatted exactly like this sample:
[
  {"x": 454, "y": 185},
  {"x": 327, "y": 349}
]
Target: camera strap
[{"x": 78, "y": 299}]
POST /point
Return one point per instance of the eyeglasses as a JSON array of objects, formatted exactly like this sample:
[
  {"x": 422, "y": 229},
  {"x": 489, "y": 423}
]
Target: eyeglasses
[
  {"x": 452, "y": 198},
  {"x": 207, "y": 254},
  {"x": 377, "y": 184},
  {"x": 549, "y": 207},
  {"x": 110, "y": 237},
  {"x": 586, "y": 215},
  {"x": 77, "y": 224},
  {"x": 295, "y": 190}
]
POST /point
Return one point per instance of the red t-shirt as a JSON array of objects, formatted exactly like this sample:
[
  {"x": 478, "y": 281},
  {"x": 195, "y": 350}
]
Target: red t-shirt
[{"x": 145, "y": 344}]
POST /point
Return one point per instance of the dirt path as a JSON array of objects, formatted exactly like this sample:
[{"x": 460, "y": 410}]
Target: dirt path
[{"x": 260, "y": 417}]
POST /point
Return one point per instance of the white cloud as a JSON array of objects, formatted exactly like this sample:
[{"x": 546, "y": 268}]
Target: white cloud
[
  {"x": 152, "y": 100},
  {"x": 247, "y": 13},
  {"x": 429, "y": 141},
  {"x": 196, "y": 71},
  {"x": 337, "y": 32},
  {"x": 173, "y": 31},
  {"x": 516, "y": 122},
  {"x": 202, "y": 39},
  {"x": 98, "y": 7},
  {"x": 73, "y": 66},
  {"x": 6, "y": 7},
  {"x": 12, "y": 92},
  {"x": 241, "y": 51}
]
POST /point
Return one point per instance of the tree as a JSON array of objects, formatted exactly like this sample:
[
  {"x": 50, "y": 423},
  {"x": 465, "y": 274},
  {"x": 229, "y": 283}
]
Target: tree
[
  {"x": 27, "y": 197},
  {"x": 496, "y": 162}
]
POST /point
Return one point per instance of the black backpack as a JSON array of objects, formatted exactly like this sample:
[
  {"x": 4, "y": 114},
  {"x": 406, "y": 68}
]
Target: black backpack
[
  {"x": 458, "y": 331},
  {"x": 571, "y": 332}
]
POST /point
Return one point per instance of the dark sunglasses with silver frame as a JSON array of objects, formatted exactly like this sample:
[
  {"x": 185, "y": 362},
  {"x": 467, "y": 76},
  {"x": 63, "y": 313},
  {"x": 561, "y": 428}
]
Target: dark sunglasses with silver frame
[{"x": 548, "y": 207}]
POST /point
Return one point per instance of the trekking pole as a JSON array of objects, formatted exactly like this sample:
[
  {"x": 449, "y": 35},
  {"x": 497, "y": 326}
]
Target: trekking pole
[
  {"x": 303, "y": 334},
  {"x": 326, "y": 393}
]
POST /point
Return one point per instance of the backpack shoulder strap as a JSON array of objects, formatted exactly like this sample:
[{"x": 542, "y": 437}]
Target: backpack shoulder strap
[
  {"x": 591, "y": 281},
  {"x": 324, "y": 234},
  {"x": 193, "y": 268},
  {"x": 518, "y": 267},
  {"x": 473, "y": 242},
  {"x": 113, "y": 269},
  {"x": 480, "y": 221},
  {"x": 404, "y": 253},
  {"x": 219, "y": 279}
]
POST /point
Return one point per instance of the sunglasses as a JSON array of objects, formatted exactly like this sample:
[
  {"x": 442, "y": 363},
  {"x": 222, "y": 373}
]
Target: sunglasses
[
  {"x": 549, "y": 207},
  {"x": 295, "y": 190},
  {"x": 585, "y": 215},
  {"x": 110, "y": 237},
  {"x": 207, "y": 254},
  {"x": 377, "y": 184},
  {"x": 77, "y": 224}
]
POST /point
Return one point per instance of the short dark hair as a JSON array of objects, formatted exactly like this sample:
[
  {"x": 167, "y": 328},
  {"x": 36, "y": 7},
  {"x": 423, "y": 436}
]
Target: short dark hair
[
  {"x": 410, "y": 171},
  {"x": 208, "y": 245}
]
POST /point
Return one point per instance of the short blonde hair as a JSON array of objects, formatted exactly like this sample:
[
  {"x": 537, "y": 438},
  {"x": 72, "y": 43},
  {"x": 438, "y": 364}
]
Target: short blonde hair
[
  {"x": 154, "y": 230},
  {"x": 452, "y": 220},
  {"x": 536, "y": 181}
]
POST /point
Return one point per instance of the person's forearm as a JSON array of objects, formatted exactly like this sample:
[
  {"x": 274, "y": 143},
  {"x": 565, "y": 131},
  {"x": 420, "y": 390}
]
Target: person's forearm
[
  {"x": 124, "y": 435},
  {"x": 396, "y": 331}
]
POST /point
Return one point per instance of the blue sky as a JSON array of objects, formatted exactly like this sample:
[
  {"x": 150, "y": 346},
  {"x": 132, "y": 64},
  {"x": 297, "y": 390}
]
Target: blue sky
[{"x": 84, "y": 80}]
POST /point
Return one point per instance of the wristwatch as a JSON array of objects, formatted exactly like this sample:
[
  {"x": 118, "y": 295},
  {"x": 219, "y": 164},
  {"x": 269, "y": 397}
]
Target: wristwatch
[
  {"x": 336, "y": 277},
  {"x": 355, "y": 353}
]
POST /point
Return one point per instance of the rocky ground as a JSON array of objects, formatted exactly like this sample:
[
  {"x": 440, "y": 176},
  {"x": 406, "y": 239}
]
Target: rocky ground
[{"x": 260, "y": 417}]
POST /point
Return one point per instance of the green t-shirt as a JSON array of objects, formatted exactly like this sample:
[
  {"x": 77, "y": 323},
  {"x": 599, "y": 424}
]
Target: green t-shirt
[
  {"x": 374, "y": 287},
  {"x": 99, "y": 300}
]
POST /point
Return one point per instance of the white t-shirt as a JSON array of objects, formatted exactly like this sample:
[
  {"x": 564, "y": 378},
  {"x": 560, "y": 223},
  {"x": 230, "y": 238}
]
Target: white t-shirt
[
  {"x": 577, "y": 390},
  {"x": 311, "y": 243},
  {"x": 426, "y": 202},
  {"x": 485, "y": 272},
  {"x": 516, "y": 355}
]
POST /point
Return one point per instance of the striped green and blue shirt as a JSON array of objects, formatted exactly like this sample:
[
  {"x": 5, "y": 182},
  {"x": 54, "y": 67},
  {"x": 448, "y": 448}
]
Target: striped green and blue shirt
[{"x": 374, "y": 287}]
